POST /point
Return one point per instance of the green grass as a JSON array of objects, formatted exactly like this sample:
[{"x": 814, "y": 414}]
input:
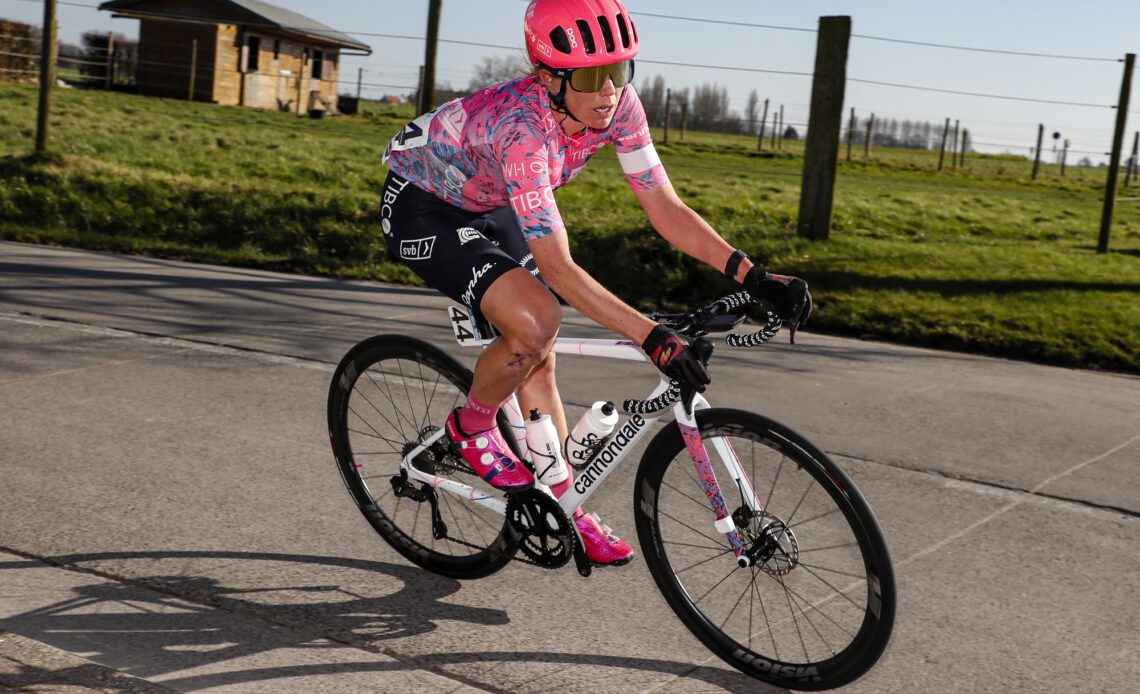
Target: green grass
[{"x": 979, "y": 258}]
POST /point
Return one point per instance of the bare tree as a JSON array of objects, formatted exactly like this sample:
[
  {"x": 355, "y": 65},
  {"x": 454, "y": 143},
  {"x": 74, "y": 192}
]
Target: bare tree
[{"x": 497, "y": 69}]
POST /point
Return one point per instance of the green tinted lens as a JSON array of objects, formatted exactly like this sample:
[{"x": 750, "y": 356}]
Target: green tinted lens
[{"x": 593, "y": 79}]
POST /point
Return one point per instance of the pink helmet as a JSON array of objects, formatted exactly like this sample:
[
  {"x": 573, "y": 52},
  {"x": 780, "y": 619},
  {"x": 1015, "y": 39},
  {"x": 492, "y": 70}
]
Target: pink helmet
[{"x": 579, "y": 33}]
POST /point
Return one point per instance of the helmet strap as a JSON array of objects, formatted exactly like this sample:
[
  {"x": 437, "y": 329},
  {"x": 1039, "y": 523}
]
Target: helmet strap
[{"x": 558, "y": 101}]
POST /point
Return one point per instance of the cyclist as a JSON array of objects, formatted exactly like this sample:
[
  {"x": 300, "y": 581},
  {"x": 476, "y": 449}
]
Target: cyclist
[{"x": 469, "y": 206}]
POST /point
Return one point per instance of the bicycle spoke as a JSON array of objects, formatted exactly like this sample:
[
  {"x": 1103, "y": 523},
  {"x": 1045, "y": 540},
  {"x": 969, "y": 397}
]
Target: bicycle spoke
[
  {"x": 811, "y": 485},
  {"x": 825, "y": 514},
  {"x": 735, "y": 605},
  {"x": 834, "y": 571},
  {"x": 703, "y": 561},
  {"x": 814, "y": 628},
  {"x": 688, "y": 544},
  {"x": 703, "y": 504},
  {"x": 702, "y": 534},
  {"x": 779, "y": 468},
  {"x": 764, "y": 611},
  {"x": 841, "y": 593},
  {"x": 404, "y": 380},
  {"x": 788, "y": 597},
  {"x": 823, "y": 549},
  {"x": 376, "y": 435},
  {"x": 388, "y": 389},
  {"x": 710, "y": 590},
  {"x": 821, "y": 612}
]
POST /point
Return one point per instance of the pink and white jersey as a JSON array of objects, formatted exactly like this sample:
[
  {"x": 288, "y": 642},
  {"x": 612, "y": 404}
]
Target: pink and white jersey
[{"x": 502, "y": 146}]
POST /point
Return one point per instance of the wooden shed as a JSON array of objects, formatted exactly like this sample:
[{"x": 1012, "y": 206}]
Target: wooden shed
[{"x": 236, "y": 52}]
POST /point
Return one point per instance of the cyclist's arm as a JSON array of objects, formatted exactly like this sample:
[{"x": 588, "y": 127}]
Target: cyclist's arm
[
  {"x": 685, "y": 229},
  {"x": 580, "y": 290}
]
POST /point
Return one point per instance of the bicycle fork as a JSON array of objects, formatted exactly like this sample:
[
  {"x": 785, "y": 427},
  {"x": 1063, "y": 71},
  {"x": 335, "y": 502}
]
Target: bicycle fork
[{"x": 725, "y": 521}]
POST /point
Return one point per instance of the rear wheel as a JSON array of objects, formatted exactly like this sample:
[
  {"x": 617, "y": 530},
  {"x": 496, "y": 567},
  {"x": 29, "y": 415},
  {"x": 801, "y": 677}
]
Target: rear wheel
[
  {"x": 388, "y": 395},
  {"x": 816, "y": 609}
]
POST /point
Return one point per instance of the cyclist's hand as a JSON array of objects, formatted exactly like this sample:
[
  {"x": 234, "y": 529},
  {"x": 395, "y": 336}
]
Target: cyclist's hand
[
  {"x": 787, "y": 296},
  {"x": 676, "y": 358}
]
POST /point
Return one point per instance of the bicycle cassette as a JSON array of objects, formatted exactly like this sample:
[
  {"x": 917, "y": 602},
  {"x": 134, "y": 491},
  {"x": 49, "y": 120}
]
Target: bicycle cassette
[{"x": 542, "y": 529}]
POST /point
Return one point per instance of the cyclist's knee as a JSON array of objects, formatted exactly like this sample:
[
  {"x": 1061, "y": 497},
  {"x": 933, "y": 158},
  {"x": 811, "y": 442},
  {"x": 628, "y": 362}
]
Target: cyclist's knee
[{"x": 532, "y": 331}]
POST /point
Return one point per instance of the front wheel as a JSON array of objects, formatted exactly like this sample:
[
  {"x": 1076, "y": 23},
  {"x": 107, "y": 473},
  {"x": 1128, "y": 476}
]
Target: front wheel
[{"x": 816, "y": 609}]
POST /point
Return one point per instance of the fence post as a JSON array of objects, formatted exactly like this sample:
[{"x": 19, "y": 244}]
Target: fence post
[
  {"x": 1114, "y": 159},
  {"x": 780, "y": 128},
  {"x": 763, "y": 124},
  {"x": 870, "y": 132},
  {"x": 193, "y": 68},
  {"x": 668, "y": 106},
  {"x": 359, "y": 84},
  {"x": 850, "y": 132},
  {"x": 1037, "y": 156},
  {"x": 942, "y": 149},
  {"x": 47, "y": 76},
  {"x": 821, "y": 151},
  {"x": 1132, "y": 161},
  {"x": 684, "y": 118},
  {"x": 1064, "y": 157},
  {"x": 954, "y": 147},
  {"x": 109, "y": 70},
  {"x": 965, "y": 143}
]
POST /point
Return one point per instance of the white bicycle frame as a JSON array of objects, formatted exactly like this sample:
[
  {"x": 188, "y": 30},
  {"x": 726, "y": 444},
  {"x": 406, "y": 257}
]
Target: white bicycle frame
[{"x": 623, "y": 439}]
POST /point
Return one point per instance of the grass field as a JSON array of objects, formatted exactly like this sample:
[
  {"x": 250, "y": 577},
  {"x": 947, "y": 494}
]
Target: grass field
[{"x": 980, "y": 258}]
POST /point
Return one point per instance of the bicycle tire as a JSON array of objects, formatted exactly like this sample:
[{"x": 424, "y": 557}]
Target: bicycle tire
[
  {"x": 840, "y": 529},
  {"x": 405, "y": 388}
]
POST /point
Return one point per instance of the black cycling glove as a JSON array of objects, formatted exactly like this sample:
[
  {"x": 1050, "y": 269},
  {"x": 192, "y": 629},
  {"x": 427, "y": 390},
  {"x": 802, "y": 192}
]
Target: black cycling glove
[
  {"x": 676, "y": 358},
  {"x": 787, "y": 296}
]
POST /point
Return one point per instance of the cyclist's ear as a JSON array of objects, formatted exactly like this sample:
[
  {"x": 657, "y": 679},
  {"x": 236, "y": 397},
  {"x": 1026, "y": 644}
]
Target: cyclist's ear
[{"x": 703, "y": 348}]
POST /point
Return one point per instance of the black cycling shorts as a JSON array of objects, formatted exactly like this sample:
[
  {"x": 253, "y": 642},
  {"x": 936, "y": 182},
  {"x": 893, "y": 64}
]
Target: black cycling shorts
[{"x": 460, "y": 253}]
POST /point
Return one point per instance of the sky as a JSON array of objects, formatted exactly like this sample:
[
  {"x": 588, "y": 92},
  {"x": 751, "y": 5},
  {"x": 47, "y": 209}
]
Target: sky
[{"x": 1103, "y": 30}]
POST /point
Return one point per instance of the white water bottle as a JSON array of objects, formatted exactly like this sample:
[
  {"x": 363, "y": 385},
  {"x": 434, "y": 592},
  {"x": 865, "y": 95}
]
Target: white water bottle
[
  {"x": 542, "y": 441},
  {"x": 595, "y": 425}
]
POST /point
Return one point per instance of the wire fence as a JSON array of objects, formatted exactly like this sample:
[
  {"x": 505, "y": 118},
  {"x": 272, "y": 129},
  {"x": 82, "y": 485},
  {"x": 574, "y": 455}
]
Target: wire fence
[{"x": 683, "y": 120}]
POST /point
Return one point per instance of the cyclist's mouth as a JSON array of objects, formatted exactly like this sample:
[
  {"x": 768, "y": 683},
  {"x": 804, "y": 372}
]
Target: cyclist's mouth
[{"x": 604, "y": 111}]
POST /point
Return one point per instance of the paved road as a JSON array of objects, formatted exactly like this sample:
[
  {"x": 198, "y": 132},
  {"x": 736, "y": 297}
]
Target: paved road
[{"x": 172, "y": 519}]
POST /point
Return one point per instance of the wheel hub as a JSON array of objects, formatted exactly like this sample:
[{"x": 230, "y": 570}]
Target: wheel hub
[{"x": 771, "y": 544}]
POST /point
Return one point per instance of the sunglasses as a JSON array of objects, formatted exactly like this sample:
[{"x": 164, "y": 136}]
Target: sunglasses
[{"x": 593, "y": 79}]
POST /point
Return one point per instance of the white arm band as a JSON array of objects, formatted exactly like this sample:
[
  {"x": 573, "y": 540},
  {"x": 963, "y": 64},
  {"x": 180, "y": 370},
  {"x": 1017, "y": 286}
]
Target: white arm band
[{"x": 640, "y": 160}]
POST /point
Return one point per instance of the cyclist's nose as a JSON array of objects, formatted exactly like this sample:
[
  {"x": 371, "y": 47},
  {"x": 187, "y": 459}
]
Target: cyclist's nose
[{"x": 608, "y": 89}]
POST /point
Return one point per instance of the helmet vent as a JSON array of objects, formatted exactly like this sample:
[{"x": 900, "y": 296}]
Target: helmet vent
[
  {"x": 607, "y": 33},
  {"x": 623, "y": 30},
  {"x": 587, "y": 37},
  {"x": 560, "y": 40}
]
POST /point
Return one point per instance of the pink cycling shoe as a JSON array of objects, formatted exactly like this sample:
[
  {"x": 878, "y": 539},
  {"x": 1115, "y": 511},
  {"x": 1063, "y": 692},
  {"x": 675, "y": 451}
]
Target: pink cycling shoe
[
  {"x": 489, "y": 456},
  {"x": 602, "y": 547}
]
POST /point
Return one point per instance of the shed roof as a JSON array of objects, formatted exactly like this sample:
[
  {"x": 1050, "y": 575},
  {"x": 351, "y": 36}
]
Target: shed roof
[{"x": 252, "y": 13}]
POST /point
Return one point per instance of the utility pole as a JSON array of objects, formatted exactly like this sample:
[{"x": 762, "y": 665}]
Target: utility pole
[
  {"x": 1037, "y": 156},
  {"x": 668, "y": 107},
  {"x": 763, "y": 124},
  {"x": 870, "y": 132},
  {"x": 1114, "y": 159},
  {"x": 821, "y": 151},
  {"x": 942, "y": 149},
  {"x": 427, "y": 88},
  {"x": 47, "y": 76}
]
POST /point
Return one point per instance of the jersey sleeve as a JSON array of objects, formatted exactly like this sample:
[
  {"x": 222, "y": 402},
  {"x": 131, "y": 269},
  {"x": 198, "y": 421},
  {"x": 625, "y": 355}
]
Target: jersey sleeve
[
  {"x": 634, "y": 145},
  {"x": 526, "y": 172}
]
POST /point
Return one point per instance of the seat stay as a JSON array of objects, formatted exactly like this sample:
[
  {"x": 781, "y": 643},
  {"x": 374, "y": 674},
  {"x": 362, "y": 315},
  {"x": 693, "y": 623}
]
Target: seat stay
[{"x": 463, "y": 491}]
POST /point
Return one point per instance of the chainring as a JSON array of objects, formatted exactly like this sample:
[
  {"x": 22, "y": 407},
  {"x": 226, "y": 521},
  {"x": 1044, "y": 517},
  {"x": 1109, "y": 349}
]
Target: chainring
[{"x": 542, "y": 529}]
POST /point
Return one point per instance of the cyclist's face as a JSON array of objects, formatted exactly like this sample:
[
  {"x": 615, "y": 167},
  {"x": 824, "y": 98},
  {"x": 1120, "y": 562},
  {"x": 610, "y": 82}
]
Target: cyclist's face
[{"x": 594, "y": 109}]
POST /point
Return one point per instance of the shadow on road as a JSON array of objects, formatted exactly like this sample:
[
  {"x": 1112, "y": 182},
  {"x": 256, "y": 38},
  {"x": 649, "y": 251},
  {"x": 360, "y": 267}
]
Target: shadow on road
[{"x": 155, "y": 626}]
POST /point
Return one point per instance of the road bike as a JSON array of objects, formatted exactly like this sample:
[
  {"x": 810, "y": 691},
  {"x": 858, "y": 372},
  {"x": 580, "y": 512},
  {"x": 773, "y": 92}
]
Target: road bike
[{"x": 759, "y": 542}]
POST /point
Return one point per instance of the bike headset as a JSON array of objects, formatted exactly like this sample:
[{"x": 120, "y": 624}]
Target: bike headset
[{"x": 576, "y": 41}]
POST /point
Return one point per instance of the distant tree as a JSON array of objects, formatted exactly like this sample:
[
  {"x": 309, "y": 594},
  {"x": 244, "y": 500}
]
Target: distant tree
[
  {"x": 653, "y": 100},
  {"x": 709, "y": 106},
  {"x": 1085, "y": 162},
  {"x": 19, "y": 48},
  {"x": 497, "y": 69},
  {"x": 791, "y": 134},
  {"x": 752, "y": 113}
]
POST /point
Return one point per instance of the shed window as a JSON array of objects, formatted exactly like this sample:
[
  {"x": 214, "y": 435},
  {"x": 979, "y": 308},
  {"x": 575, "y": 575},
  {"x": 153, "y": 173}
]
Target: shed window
[
  {"x": 276, "y": 49},
  {"x": 253, "y": 54},
  {"x": 318, "y": 64}
]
